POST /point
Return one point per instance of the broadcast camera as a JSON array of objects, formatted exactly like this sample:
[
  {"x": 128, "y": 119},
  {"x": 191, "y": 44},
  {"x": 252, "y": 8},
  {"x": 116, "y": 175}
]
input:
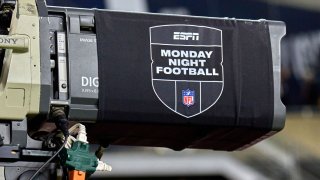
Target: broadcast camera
[{"x": 71, "y": 76}]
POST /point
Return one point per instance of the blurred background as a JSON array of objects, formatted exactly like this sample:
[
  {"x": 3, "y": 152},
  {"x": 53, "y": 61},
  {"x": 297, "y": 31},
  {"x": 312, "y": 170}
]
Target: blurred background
[{"x": 294, "y": 153}]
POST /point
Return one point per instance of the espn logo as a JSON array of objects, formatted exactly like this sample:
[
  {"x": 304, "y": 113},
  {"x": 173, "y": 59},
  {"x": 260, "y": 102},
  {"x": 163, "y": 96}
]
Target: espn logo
[{"x": 186, "y": 36}]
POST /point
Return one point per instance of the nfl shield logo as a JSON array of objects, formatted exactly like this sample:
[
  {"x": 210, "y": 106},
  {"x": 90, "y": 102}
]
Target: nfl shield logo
[{"x": 188, "y": 97}]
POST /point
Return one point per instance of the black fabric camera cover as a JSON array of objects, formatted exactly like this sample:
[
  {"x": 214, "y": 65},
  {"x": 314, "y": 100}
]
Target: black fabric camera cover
[{"x": 183, "y": 82}]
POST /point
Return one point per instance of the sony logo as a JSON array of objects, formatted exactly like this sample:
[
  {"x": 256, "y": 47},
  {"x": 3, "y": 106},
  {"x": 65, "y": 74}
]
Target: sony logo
[
  {"x": 8, "y": 41},
  {"x": 89, "y": 81},
  {"x": 186, "y": 36},
  {"x": 87, "y": 40}
]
